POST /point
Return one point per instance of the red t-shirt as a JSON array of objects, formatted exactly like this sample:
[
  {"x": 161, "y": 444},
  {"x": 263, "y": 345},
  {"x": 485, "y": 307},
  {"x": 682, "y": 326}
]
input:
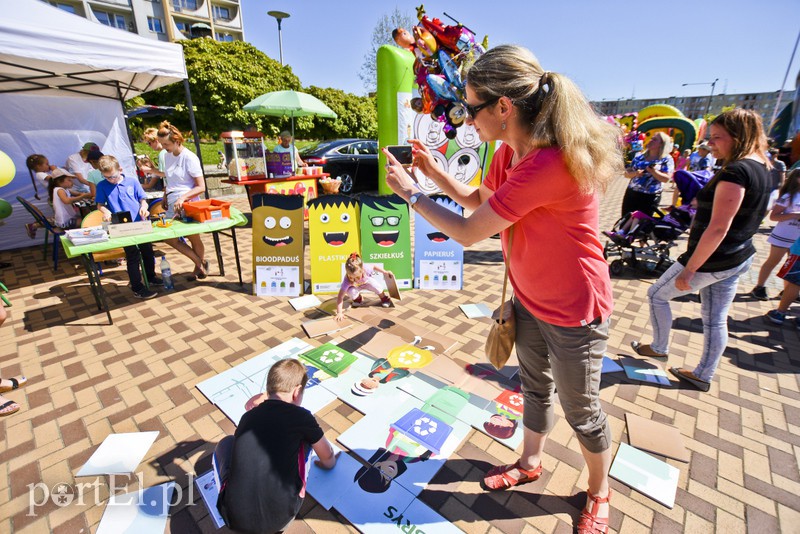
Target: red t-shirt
[{"x": 557, "y": 268}]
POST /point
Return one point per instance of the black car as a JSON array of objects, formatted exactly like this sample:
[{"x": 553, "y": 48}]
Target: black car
[{"x": 353, "y": 161}]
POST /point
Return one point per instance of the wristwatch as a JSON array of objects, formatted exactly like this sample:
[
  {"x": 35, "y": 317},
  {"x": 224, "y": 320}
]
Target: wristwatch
[{"x": 414, "y": 198}]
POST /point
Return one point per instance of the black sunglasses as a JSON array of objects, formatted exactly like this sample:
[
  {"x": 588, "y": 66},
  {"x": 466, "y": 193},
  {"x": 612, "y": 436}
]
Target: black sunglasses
[{"x": 472, "y": 111}]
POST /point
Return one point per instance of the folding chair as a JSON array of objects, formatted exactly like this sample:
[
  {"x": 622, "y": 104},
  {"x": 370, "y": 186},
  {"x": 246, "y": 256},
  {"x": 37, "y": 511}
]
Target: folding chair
[
  {"x": 49, "y": 228},
  {"x": 95, "y": 218},
  {"x": 4, "y": 289}
]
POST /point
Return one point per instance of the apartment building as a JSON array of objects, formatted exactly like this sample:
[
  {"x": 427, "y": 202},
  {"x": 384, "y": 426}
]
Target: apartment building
[
  {"x": 695, "y": 106},
  {"x": 165, "y": 20}
]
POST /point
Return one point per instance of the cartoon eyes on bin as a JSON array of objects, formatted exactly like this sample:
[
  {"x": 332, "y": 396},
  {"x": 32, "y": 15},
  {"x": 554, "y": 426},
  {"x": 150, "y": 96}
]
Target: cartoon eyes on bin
[
  {"x": 286, "y": 222},
  {"x": 269, "y": 222},
  {"x": 325, "y": 218},
  {"x": 391, "y": 221}
]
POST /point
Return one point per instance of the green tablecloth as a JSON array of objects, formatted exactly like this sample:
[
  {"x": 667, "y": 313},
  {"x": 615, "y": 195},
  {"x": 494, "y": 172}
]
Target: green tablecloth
[{"x": 176, "y": 229}]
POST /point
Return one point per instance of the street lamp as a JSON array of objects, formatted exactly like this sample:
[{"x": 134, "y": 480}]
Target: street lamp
[
  {"x": 712, "y": 84},
  {"x": 279, "y": 16}
]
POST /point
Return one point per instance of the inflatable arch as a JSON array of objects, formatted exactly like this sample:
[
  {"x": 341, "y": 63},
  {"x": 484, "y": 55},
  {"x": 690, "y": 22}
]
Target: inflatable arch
[{"x": 682, "y": 130}]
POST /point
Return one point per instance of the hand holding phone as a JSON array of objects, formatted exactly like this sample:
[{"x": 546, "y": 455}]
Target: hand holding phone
[{"x": 402, "y": 153}]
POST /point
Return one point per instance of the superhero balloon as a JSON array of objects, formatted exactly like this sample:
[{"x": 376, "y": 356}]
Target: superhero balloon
[{"x": 443, "y": 53}]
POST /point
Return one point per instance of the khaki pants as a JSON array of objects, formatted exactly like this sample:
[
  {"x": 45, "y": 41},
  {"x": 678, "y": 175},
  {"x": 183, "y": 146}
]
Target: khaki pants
[{"x": 568, "y": 359}]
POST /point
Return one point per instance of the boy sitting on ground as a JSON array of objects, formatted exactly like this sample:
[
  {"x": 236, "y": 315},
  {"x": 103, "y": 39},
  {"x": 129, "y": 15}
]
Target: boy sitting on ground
[
  {"x": 115, "y": 194},
  {"x": 262, "y": 468}
]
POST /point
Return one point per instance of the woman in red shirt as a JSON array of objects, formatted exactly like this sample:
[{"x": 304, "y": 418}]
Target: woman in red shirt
[{"x": 557, "y": 154}]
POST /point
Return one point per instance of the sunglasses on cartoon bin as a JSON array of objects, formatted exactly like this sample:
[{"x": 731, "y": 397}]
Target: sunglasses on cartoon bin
[
  {"x": 391, "y": 220},
  {"x": 472, "y": 111}
]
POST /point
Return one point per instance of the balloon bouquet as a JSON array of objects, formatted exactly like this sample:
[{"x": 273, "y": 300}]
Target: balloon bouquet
[
  {"x": 634, "y": 144},
  {"x": 442, "y": 53}
]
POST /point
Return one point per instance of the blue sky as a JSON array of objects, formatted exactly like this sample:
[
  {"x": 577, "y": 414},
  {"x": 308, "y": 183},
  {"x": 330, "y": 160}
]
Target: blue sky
[{"x": 611, "y": 48}]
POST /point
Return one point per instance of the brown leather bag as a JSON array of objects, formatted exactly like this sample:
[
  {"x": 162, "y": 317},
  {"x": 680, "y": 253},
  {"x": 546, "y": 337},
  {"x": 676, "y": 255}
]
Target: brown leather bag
[{"x": 500, "y": 341}]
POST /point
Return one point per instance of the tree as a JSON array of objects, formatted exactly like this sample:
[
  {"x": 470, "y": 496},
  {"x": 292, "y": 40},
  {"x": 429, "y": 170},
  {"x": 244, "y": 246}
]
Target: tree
[
  {"x": 357, "y": 116},
  {"x": 223, "y": 77},
  {"x": 709, "y": 117},
  {"x": 381, "y": 35}
]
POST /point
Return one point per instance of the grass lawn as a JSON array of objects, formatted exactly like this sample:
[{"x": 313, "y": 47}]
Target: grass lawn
[{"x": 208, "y": 151}]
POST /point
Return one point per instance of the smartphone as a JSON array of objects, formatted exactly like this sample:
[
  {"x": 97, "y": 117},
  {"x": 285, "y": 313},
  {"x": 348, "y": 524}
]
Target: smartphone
[{"x": 402, "y": 153}]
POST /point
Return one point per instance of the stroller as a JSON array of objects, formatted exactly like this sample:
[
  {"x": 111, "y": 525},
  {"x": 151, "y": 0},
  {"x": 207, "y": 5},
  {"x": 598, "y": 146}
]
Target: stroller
[{"x": 644, "y": 242}]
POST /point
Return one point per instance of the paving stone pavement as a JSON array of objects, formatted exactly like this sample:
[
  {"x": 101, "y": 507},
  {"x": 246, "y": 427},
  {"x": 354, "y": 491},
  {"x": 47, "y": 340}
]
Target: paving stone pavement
[{"x": 88, "y": 379}]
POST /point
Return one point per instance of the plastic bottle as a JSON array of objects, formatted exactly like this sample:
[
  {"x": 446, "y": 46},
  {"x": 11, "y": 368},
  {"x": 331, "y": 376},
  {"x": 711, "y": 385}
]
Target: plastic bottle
[{"x": 166, "y": 274}]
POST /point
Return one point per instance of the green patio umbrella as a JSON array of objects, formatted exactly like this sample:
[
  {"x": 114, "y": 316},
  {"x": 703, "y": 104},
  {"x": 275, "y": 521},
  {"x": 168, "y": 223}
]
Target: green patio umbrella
[{"x": 289, "y": 104}]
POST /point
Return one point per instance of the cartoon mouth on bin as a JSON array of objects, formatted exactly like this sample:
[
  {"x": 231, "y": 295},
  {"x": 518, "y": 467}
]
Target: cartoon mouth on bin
[
  {"x": 278, "y": 241},
  {"x": 438, "y": 237},
  {"x": 335, "y": 239},
  {"x": 385, "y": 239}
]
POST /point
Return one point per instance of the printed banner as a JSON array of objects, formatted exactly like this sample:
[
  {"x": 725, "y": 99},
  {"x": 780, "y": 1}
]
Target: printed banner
[
  {"x": 307, "y": 187},
  {"x": 441, "y": 258},
  {"x": 332, "y": 235},
  {"x": 279, "y": 164},
  {"x": 278, "y": 245},
  {"x": 386, "y": 236}
]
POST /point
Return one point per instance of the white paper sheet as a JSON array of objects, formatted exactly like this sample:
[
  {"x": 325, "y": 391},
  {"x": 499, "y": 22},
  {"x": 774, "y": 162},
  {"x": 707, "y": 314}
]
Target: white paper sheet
[
  {"x": 137, "y": 513},
  {"x": 646, "y": 474},
  {"x": 118, "y": 454}
]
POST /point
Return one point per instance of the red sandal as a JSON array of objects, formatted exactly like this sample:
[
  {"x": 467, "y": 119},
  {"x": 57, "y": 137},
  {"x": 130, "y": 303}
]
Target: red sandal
[
  {"x": 499, "y": 477},
  {"x": 589, "y": 522}
]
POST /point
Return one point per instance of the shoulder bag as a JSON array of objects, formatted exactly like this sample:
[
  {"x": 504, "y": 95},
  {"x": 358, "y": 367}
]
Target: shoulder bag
[{"x": 500, "y": 341}]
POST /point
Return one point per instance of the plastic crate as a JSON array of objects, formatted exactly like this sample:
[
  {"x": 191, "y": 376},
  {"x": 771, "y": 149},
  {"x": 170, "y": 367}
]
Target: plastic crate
[{"x": 207, "y": 210}]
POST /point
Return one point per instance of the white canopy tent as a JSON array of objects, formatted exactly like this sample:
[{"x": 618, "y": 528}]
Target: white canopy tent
[
  {"x": 63, "y": 82},
  {"x": 47, "y": 51}
]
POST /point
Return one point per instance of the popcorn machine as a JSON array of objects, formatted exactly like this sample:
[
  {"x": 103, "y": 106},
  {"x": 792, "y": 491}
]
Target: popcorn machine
[{"x": 246, "y": 155}]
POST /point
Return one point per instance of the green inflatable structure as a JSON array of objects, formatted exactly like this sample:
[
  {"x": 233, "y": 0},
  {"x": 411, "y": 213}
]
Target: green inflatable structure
[
  {"x": 464, "y": 157},
  {"x": 682, "y": 130}
]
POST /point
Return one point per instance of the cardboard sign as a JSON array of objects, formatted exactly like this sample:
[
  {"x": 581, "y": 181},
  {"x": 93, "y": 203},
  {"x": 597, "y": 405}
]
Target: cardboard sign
[
  {"x": 655, "y": 437},
  {"x": 391, "y": 285},
  {"x": 386, "y": 237},
  {"x": 278, "y": 245},
  {"x": 130, "y": 229},
  {"x": 324, "y": 326},
  {"x": 438, "y": 260},
  {"x": 333, "y": 235}
]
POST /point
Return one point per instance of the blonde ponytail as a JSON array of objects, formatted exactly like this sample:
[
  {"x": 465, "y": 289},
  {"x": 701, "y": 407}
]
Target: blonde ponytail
[{"x": 555, "y": 112}]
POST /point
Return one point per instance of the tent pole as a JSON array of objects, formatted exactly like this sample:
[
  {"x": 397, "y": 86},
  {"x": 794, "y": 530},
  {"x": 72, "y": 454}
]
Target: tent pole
[
  {"x": 294, "y": 163},
  {"x": 125, "y": 115}
]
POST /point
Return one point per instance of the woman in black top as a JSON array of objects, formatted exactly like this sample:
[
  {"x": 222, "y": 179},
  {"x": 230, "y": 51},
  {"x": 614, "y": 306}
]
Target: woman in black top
[{"x": 730, "y": 209}]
